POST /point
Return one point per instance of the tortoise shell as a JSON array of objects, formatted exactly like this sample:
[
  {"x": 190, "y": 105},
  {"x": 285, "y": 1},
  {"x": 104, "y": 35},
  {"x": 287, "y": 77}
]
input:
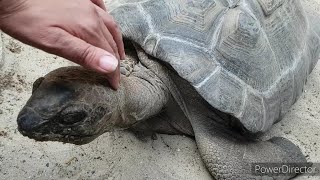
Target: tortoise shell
[{"x": 249, "y": 59}]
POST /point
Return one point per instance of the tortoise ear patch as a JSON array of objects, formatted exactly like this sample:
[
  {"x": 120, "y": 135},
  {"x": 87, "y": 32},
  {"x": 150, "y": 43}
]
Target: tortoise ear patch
[{"x": 36, "y": 84}]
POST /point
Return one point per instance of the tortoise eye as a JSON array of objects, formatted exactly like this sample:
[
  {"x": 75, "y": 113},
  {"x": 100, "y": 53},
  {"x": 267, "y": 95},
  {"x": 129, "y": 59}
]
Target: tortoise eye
[
  {"x": 71, "y": 115},
  {"x": 72, "y": 118}
]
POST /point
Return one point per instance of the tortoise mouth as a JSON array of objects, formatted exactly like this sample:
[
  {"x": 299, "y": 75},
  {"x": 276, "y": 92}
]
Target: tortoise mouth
[
  {"x": 65, "y": 138},
  {"x": 34, "y": 126}
]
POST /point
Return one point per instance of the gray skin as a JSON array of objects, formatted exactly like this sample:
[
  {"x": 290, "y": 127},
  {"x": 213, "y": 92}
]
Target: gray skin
[{"x": 224, "y": 96}]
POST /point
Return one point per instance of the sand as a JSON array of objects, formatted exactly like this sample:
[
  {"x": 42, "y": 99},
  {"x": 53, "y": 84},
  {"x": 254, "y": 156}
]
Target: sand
[{"x": 118, "y": 155}]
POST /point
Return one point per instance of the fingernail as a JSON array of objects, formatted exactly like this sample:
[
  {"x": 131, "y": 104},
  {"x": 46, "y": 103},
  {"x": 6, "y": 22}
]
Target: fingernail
[{"x": 108, "y": 63}]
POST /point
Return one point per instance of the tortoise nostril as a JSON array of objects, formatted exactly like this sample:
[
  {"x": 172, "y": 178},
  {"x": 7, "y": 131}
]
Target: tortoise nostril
[{"x": 28, "y": 121}]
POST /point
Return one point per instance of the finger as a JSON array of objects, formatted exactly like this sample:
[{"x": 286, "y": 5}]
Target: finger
[
  {"x": 85, "y": 54},
  {"x": 100, "y": 4},
  {"x": 114, "y": 78},
  {"x": 114, "y": 31},
  {"x": 98, "y": 36},
  {"x": 109, "y": 41},
  {"x": 109, "y": 45},
  {"x": 105, "y": 41}
]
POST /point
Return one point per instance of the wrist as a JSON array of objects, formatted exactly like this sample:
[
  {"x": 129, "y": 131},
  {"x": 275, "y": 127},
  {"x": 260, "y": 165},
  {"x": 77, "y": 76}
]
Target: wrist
[{"x": 8, "y": 7}]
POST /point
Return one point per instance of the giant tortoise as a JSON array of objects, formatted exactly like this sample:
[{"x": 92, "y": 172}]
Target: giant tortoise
[{"x": 222, "y": 71}]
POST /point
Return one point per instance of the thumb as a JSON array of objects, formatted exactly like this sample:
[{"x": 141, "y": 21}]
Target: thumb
[
  {"x": 86, "y": 55},
  {"x": 96, "y": 59}
]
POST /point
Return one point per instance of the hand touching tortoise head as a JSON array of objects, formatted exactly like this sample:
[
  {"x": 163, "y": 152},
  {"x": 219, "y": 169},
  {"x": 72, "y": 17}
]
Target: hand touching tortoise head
[{"x": 78, "y": 30}]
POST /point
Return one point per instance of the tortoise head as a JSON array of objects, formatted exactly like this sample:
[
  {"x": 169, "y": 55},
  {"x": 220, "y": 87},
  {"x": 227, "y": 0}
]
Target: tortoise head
[{"x": 70, "y": 105}]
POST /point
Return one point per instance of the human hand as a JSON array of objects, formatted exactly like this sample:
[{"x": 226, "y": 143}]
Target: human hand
[{"x": 78, "y": 30}]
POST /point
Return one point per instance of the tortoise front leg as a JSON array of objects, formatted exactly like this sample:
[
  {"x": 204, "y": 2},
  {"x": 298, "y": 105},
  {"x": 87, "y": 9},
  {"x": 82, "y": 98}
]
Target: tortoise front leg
[
  {"x": 227, "y": 152},
  {"x": 227, "y": 156}
]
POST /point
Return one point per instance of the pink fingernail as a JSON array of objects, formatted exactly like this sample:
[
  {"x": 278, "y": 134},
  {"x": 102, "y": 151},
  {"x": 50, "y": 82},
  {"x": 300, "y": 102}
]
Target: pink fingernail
[{"x": 108, "y": 63}]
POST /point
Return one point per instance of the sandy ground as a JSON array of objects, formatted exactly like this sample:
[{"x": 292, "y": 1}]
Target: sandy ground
[{"x": 118, "y": 155}]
